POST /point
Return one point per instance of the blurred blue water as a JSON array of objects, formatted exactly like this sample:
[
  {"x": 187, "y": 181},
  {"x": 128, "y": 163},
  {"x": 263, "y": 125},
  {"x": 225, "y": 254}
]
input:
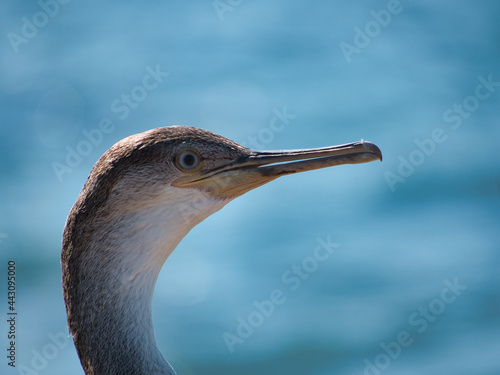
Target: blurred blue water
[{"x": 231, "y": 72}]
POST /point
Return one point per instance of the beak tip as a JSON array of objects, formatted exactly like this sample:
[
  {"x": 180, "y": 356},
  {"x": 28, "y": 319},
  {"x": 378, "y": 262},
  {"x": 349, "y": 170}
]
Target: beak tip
[{"x": 373, "y": 149}]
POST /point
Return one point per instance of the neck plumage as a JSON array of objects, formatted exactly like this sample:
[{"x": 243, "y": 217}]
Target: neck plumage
[
  {"x": 116, "y": 335},
  {"x": 109, "y": 275}
]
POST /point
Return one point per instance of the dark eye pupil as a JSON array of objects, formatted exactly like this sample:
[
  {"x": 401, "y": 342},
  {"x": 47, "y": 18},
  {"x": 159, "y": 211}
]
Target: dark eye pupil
[{"x": 189, "y": 159}]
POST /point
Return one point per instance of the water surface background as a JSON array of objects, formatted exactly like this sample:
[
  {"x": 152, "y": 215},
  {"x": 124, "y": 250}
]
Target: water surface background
[{"x": 418, "y": 245}]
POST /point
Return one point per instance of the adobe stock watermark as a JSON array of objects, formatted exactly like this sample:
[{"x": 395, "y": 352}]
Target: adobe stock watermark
[
  {"x": 121, "y": 107},
  {"x": 292, "y": 279},
  {"x": 30, "y": 26},
  {"x": 278, "y": 122},
  {"x": 364, "y": 36},
  {"x": 41, "y": 358},
  {"x": 454, "y": 117},
  {"x": 221, "y": 7},
  {"x": 419, "y": 320}
]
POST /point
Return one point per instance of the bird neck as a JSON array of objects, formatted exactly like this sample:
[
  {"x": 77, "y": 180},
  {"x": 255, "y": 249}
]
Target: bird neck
[
  {"x": 117, "y": 335},
  {"x": 109, "y": 286}
]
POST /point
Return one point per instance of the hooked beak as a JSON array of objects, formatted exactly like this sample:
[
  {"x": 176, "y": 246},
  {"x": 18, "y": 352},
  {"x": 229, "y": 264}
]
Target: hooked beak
[{"x": 260, "y": 167}]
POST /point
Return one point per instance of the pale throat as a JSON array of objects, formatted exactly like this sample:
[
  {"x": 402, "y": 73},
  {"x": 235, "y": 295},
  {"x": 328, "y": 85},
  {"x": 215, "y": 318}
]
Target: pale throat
[
  {"x": 150, "y": 229},
  {"x": 131, "y": 249}
]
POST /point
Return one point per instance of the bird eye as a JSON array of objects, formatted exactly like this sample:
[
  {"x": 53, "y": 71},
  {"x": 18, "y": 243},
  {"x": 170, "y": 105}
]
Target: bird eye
[{"x": 188, "y": 160}]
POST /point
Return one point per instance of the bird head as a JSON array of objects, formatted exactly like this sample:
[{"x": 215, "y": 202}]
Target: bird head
[
  {"x": 197, "y": 170},
  {"x": 191, "y": 166}
]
